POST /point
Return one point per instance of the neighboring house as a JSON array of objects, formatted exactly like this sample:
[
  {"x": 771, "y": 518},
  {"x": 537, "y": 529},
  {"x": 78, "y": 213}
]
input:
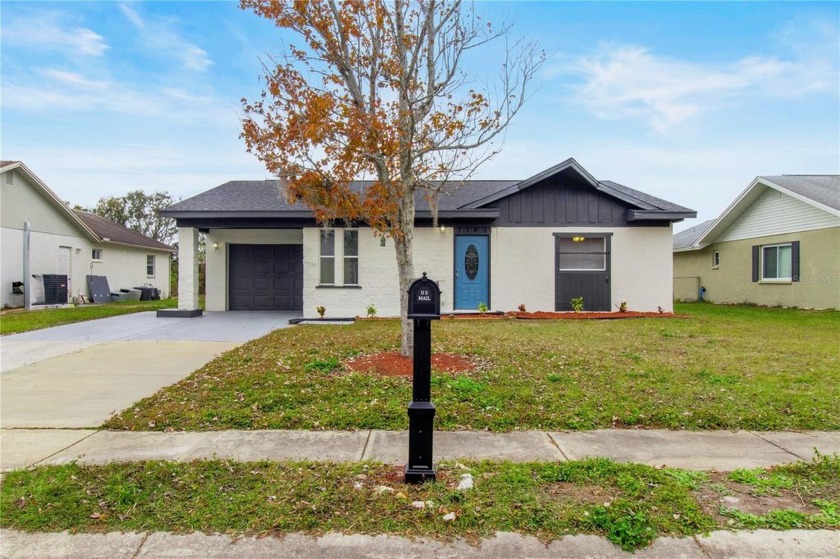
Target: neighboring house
[
  {"x": 69, "y": 242},
  {"x": 539, "y": 242},
  {"x": 777, "y": 244}
]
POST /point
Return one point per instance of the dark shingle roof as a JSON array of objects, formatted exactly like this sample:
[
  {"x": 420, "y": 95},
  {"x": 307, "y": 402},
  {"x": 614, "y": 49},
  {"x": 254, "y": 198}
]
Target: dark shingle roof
[
  {"x": 638, "y": 195},
  {"x": 266, "y": 197},
  {"x": 684, "y": 239},
  {"x": 823, "y": 189},
  {"x": 116, "y": 233}
]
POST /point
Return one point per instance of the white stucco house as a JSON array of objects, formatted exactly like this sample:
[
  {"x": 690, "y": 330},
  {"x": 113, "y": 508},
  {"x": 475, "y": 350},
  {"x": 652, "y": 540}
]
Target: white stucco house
[
  {"x": 42, "y": 235},
  {"x": 540, "y": 242}
]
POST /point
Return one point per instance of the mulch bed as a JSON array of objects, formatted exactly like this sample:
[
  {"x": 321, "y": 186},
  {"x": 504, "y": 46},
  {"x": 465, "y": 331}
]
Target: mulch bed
[
  {"x": 392, "y": 364},
  {"x": 545, "y": 315}
]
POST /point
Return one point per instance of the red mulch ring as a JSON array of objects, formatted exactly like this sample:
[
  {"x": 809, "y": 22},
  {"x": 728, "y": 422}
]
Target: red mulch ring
[
  {"x": 392, "y": 364},
  {"x": 593, "y": 315},
  {"x": 545, "y": 315}
]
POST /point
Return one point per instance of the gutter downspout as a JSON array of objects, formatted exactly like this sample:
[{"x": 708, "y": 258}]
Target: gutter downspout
[{"x": 27, "y": 233}]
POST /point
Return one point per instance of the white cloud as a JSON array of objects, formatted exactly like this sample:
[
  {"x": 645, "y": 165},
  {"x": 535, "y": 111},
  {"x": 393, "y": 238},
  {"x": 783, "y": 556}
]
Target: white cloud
[
  {"x": 158, "y": 36},
  {"x": 52, "y": 33},
  {"x": 625, "y": 81}
]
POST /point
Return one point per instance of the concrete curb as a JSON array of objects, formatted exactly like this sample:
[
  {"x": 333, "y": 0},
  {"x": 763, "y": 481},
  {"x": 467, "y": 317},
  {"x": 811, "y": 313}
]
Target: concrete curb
[
  {"x": 708, "y": 450},
  {"x": 765, "y": 544}
]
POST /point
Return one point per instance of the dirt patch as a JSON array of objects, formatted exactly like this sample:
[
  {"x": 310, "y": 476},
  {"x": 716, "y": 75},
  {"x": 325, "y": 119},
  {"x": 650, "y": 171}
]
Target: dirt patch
[
  {"x": 585, "y": 494},
  {"x": 721, "y": 492},
  {"x": 392, "y": 364}
]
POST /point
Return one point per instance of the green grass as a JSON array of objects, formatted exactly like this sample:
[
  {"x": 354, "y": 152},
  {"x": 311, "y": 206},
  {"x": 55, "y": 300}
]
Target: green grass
[
  {"x": 629, "y": 504},
  {"x": 727, "y": 367},
  {"x": 13, "y": 322}
]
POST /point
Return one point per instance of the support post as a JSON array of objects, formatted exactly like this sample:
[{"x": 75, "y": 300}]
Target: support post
[
  {"x": 421, "y": 411},
  {"x": 187, "y": 276}
]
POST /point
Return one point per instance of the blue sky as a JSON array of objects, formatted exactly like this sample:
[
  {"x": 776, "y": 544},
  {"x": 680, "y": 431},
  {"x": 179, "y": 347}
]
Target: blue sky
[{"x": 686, "y": 101}]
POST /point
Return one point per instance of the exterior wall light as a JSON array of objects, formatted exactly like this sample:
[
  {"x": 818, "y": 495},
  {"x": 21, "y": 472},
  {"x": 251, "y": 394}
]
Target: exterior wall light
[
  {"x": 215, "y": 246},
  {"x": 382, "y": 241},
  {"x": 443, "y": 228}
]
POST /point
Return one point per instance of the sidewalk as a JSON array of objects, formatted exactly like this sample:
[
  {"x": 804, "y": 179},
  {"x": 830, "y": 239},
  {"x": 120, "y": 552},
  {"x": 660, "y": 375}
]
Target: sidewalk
[
  {"x": 701, "y": 450},
  {"x": 765, "y": 544},
  {"x": 718, "y": 450}
]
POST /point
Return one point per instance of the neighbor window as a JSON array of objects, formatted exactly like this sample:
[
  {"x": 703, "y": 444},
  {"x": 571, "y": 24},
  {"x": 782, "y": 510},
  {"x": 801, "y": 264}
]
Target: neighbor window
[
  {"x": 351, "y": 258},
  {"x": 327, "y": 244},
  {"x": 776, "y": 262},
  {"x": 716, "y": 259},
  {"x": 96, "y": 254},
  {"x": 150, "y": 265}
]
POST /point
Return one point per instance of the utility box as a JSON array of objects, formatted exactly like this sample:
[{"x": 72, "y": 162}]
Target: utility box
[{"x": 423, "y": 299}]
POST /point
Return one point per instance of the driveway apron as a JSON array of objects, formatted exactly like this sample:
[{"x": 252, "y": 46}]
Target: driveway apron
[{"x": 76, "y": 376}]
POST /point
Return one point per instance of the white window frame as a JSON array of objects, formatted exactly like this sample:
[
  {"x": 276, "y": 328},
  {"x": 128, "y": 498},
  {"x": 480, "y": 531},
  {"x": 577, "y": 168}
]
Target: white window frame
[
  {"x": 93, "y": 254},
  {"x": 326, "y": 257},
  {"x": 777, "y": 246},
  {"x": 346, "y": 257},
  {"x": 715, "y": 259},
  {"x": 154, "y": 265}
]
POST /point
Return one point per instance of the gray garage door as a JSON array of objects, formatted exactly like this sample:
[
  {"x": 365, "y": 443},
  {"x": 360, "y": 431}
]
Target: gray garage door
[{"x": 266, "y": 277}]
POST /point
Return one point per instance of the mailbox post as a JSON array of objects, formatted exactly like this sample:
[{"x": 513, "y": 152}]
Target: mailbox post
[{"x": 423, "y": 307}]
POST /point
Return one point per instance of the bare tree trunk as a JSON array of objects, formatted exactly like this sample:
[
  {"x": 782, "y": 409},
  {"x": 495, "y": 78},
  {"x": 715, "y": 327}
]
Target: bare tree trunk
[{"x": 405, "y": 268}]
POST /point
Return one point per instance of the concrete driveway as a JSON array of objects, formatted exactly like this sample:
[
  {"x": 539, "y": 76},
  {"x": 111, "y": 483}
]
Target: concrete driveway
[{"x": 78, "y": 375}]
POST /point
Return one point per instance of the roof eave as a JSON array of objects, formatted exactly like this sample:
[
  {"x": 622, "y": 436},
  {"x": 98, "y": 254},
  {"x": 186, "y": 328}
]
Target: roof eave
[
  {"x": 659, "y": 215},
  {"x": 799, "y": 197},
  {"x": 53, "y": 199},
  {"x": 144, "y": 247}
]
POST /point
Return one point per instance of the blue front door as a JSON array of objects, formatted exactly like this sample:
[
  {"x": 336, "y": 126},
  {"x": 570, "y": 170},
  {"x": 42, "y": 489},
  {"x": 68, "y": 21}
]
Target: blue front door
[{"x": 472, "y": 272}]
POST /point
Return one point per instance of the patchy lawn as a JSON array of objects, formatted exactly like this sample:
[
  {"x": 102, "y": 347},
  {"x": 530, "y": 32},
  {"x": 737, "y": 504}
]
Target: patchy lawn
[
  {"x": 723, "y": 367},
  {"x": 15, "y": 321},
  {"x": 629, "y": 504}
]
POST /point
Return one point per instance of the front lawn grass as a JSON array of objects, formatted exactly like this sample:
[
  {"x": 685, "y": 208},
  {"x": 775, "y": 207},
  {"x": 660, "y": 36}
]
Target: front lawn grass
[
  {"x": 629, "y": 504},
  {"x": 16, "y": 321},
  {"x": 731, "y": 367}
]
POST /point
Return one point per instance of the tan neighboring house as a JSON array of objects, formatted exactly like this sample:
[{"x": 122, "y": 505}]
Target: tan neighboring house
[
  {"x": 777, "y": 244},
  {"x": 40, "y": 234}
]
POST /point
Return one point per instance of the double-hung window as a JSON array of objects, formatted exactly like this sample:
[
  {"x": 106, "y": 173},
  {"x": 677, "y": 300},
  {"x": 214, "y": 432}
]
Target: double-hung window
[
  {"x": 339, "y": 257},
  {"x": 351, "y": 257},
  {"x": 150, "y": 265},
  {"x": 327, "y": 276}
]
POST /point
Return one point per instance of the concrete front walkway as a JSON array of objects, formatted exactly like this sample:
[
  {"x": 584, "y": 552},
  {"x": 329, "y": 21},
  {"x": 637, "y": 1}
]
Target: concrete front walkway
[
  {"x": 715, "y": 450},
  {"x": 792, "y": 544}
]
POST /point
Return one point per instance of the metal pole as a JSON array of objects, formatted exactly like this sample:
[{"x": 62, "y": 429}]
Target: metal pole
[{"x": 27, "y": 234}]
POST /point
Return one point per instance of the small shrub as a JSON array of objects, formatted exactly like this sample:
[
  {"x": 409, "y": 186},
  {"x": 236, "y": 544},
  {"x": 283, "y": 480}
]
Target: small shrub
[
  {"x": 482, "y": 308},
  {"x": 371, "y": 311},
  {"x": 622, "y": 307},
  {"x": 521, "y": 307},
  {"x": 577, "y": 304},
  {"x": 321, "y": 310}
]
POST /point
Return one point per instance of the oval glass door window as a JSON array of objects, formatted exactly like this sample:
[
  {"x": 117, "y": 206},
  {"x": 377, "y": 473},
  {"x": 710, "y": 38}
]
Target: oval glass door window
[{"x": 471, "y": 262}]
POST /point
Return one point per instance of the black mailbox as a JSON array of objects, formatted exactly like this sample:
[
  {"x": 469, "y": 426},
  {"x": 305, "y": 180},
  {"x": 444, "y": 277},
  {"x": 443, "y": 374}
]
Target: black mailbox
[{"x": 423, "y": 299}]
